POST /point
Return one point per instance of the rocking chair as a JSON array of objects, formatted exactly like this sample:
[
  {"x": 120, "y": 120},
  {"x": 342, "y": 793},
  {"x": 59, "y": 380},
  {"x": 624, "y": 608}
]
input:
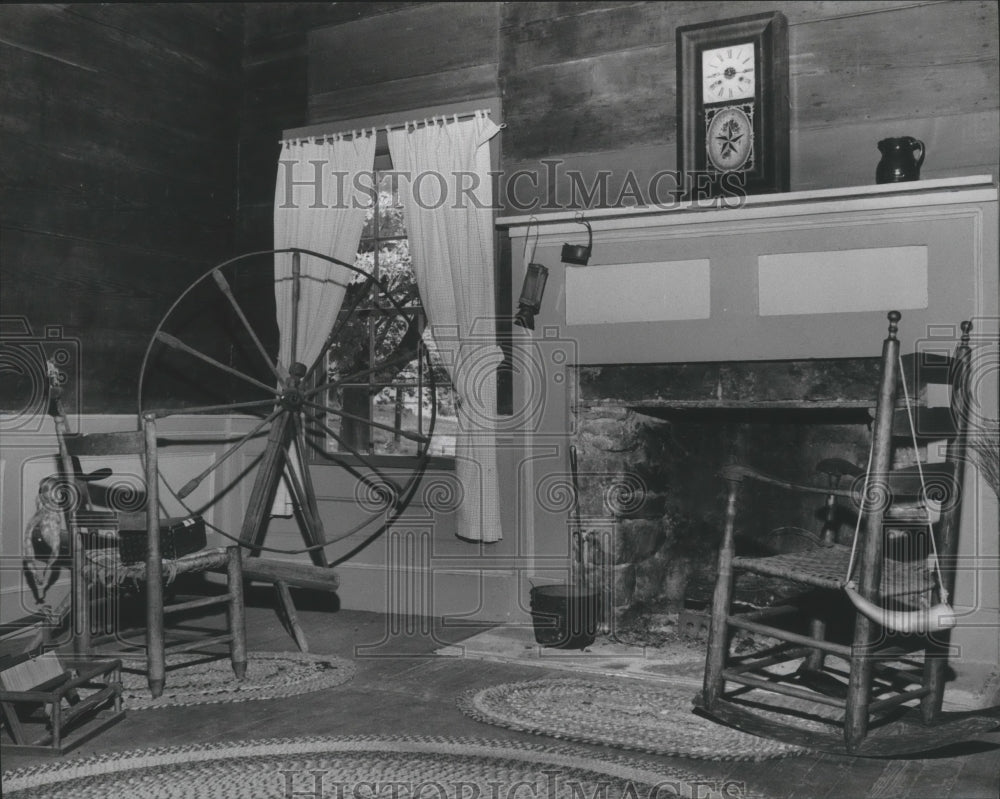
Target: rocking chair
[{"x": 888, "y": 594}]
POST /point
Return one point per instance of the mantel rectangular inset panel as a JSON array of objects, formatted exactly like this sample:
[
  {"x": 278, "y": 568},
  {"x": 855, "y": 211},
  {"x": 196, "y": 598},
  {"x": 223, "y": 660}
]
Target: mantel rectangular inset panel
[
  {"x": 842, "y": 281},
  {"x": 665, "y": 291}
]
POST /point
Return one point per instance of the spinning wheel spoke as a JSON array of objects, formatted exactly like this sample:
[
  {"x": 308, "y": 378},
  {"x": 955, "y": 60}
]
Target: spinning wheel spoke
[
  {"x": 296, "y": 299},
  {"x": 194, "y": 482},
  {"x": 420, "y": 439},
  {"x": 230, "y": 406},
  {"x": 177, "y": 344},
  {"x": 223, "y": 284},
  {"x": 361, "y": 458},
  {"x": 356, "y": 376},
  {"x": 343, "y": 318}
]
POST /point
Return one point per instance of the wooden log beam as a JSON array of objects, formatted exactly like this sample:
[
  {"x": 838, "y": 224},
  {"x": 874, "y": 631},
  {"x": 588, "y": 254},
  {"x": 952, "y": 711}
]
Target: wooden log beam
[{"x": 293, "y": 573}]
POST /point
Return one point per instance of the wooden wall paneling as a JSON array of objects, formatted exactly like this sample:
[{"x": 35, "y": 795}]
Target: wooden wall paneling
[
  {"x": 906, "y": 63},
  {"x": 399, "y": 95},
  {"x": 860, "y": 72},
  {"x": 607, "y": 102},
  {"x": 959, "y": 144},
  {"x": 202, "y": 34},
  {"x": 422, "y": 40},
  {"x": 451, "y": 55},
  {"x": 269, "y": 27},
  {"x": 66, "y": 192},
  {"x": 118, "y": 152},
  {"x": 127, "y": 57}
]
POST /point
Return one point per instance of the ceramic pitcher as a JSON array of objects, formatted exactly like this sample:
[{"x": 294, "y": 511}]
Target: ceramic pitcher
[{"x": 899, "y": 160}]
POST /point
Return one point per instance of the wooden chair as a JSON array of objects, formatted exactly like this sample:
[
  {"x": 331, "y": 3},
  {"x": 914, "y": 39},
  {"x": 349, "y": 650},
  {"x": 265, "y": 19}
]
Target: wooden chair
[
  {"x": 41, "y": 692},
  {"x": 877, "y": 683},
  {"x": 158, "y": 567}
]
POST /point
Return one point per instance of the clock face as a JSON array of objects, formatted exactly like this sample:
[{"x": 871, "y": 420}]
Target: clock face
[
  {"x": 728, "y": 73},
  {"x": 729, "y": 137}
]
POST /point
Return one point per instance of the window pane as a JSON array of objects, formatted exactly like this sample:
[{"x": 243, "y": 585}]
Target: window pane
[
  {"x": 390, "y": 208},
  {"x": 376, "y": 350}
]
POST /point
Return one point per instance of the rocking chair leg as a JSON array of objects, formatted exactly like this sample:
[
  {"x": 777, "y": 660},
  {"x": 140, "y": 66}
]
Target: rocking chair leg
[
  {"x": 935, "y": 665},
  {"x": 817, "y": 657},
  {"x": 859, "y": 686},
  {"x": 718, "y": 636}
]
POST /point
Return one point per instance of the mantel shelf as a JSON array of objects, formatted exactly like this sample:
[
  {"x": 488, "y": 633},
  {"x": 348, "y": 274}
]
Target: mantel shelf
[
  {"x": 729, "y": 405},
  {"x": 922, "y": 194}
]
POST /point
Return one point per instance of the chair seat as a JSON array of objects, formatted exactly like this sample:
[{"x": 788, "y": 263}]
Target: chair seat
[
  {"x": 826, "y": 567},
  {"x": 203, "y": 560}
]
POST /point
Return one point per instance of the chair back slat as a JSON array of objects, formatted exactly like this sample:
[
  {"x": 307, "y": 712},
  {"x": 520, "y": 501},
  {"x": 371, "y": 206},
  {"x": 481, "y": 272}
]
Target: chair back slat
[{"x": 128, "y": 442}]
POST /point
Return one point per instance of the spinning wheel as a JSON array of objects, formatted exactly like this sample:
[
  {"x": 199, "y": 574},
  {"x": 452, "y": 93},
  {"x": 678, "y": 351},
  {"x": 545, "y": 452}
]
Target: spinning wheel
[{"x": 216, "y": 352}]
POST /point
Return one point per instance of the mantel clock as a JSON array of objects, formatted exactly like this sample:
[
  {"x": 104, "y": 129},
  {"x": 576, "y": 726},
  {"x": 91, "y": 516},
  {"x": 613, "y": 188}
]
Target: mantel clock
[{"x": 732, "y": 106}]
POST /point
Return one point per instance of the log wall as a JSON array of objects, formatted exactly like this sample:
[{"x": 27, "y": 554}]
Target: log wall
[{"x": 118, "y": 168}]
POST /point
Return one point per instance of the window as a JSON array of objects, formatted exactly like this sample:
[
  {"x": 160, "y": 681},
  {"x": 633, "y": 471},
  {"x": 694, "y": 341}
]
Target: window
[{"x": 383, "y": 404}]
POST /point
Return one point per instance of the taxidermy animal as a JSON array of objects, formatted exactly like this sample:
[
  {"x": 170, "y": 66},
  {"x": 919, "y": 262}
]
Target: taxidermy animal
[{"x": 46, "y": 536}]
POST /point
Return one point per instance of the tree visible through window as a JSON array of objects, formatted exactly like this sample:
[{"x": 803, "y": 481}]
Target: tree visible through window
[{"x": 396, "y": 398}]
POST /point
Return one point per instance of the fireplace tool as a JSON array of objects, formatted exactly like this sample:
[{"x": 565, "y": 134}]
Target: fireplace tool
[
  {"x": 581, "y": 557},
  {"x": 565, "y": 615}
]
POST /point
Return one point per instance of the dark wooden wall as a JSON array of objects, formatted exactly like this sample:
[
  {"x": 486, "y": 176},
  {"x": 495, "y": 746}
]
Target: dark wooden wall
[
  {"x": 138, "y": 143},
  {"x": 593, "y": 85},
  {"x": 118, "y": 169}
]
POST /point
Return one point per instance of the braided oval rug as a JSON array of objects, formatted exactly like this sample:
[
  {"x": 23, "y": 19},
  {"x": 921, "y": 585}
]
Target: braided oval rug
[
  {"x": 370, "y": 767},
  {"x": 626, "y": 714},
  {"x": 270, "y": 675}
]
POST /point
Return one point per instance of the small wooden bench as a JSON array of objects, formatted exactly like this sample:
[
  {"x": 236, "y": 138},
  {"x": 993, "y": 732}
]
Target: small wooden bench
[{"x": 43, "y": 693}]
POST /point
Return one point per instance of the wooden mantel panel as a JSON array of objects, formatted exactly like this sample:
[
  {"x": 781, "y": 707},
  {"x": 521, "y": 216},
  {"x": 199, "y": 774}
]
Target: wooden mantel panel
[{"x": 957, "y": 238}]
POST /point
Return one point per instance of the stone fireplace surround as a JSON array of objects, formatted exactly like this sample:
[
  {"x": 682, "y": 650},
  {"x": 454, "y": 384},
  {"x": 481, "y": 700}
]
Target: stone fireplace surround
[{"x": 652, "y": 438}]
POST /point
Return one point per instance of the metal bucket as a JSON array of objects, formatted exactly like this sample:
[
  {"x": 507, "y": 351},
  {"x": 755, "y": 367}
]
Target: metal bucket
[{"x": 564, "y": 616}]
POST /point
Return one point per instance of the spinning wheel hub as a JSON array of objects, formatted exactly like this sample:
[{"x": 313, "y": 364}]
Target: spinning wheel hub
[{"x": 292, "y": 399}]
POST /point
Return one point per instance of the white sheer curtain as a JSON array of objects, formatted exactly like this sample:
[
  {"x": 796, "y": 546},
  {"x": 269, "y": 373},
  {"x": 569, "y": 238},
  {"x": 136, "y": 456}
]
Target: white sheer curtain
[
  {"x": 447, "y": 204},
  {"x": 315, "y": 209}
]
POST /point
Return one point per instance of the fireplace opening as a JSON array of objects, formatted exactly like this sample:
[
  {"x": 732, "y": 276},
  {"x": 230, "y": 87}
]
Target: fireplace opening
[{"x": 651, "y": 441}]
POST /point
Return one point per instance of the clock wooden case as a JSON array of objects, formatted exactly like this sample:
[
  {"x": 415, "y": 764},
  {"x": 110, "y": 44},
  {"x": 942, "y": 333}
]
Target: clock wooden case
[{"x": 732, "y": 106}]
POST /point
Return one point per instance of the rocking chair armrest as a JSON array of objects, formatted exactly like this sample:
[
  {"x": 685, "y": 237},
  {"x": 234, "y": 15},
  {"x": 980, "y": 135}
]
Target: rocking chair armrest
[{"x": 738, "y": 472}]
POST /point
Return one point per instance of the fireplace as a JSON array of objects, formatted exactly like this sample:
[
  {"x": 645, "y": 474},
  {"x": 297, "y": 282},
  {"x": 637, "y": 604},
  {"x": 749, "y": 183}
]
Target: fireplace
[
  {"x": 651, "y": 439},
  {"x": 741, "y": 333}
]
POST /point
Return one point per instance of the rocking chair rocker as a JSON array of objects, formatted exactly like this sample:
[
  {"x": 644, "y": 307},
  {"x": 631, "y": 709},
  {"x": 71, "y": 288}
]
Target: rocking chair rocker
[{"x": 888, "y": 595}]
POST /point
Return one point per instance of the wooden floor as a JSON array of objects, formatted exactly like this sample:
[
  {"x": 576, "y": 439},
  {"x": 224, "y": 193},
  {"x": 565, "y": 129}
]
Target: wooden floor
[{"x": 400, "y": 688}]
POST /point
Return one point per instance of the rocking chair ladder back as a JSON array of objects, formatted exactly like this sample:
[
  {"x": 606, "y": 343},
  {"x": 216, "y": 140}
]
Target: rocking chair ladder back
[
  {"x": 897, "y": 500},
  {"x": 157, "y": 567}
]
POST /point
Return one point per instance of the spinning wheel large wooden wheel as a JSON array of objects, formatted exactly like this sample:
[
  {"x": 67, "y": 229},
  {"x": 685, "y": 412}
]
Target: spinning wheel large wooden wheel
[{"x": 216, "y": 352}]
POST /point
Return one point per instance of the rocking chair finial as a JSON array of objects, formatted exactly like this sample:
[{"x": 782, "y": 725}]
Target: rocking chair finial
[
  {"x": 894, "y": 317},
  {"x": 966, "y": 330}
]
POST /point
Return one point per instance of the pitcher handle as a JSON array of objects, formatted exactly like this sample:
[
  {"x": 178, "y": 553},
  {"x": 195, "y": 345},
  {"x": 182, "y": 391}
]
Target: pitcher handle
[{"x": 923, "y": 152}]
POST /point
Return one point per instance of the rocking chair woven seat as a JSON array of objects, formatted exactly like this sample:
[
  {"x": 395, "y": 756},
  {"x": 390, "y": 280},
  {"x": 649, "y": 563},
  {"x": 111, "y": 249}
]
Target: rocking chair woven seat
[{"x": 825, "y": 567}]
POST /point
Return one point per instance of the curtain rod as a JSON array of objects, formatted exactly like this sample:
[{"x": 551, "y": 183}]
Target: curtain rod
[{"x": 435, "y": 119}]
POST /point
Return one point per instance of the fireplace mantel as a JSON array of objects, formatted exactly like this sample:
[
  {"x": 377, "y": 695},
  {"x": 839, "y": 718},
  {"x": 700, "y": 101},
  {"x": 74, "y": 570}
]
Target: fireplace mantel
[
  {"x": 781, "y": 276},
  {"x": 806, "y": 277}
]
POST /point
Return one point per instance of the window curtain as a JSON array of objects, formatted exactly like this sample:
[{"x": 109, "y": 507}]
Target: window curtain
[
  {"x": 447, "y": 203},
  {"x": 312, "y": 212}
]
